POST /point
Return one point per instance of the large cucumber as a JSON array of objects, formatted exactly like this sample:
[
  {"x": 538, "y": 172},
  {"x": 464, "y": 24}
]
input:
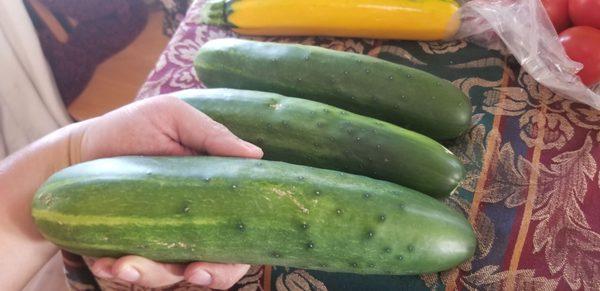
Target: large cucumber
[
  {"x": 304, "y": 132},
  {"x": 361, "y": 84},
  {"x": 250, "y": 211}
]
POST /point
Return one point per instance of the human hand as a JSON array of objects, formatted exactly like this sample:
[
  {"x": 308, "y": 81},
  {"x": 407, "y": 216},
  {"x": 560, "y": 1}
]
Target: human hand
[{"x": 160, "y": 125}]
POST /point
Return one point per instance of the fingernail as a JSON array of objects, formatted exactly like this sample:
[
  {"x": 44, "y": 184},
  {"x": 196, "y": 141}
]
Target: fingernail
[
  {"x": 251, "y": 146},
  {"x": 103, "y": 273},
  {"x": 128, "y": 274},
  {"x": 201, "y": 278}
]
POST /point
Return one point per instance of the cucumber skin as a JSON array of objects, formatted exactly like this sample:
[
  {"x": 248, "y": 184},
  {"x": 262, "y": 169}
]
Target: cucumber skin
[
  {"x": 309, "y": 133},
  {"x": 365, "y": 85},
  {"x": 248, "y": 211}
]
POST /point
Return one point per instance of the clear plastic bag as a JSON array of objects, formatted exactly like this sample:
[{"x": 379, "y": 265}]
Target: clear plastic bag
[{"x": 523, "y": 27}]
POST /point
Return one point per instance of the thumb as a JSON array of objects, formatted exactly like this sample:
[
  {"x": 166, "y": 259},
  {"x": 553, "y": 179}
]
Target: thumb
[
  {"x": 215, "y": 275},
  {"x": 199, "y": 132},
  {"x": 139, "y": 270}
]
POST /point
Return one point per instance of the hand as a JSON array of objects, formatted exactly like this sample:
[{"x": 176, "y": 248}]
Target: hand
[{"x": 160, "y": 125}]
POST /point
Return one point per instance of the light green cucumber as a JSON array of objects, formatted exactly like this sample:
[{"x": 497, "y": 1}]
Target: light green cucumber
[{"x": 182, "y": 209}]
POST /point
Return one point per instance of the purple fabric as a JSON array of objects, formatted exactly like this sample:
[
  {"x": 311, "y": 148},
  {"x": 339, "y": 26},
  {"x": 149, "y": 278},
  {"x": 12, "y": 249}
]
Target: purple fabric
[{"x": 175, "y": 69}]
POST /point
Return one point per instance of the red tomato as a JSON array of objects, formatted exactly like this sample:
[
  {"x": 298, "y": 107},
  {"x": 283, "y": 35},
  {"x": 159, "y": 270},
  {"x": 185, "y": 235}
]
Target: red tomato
[
  {"x": 558, "y": 10},
  {"x": 582, "y": 44},
  {"x": 585, "y": 12}
]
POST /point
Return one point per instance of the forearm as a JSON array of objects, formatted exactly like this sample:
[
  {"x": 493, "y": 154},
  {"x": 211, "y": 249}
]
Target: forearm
[{"x": 22, "y": 249}]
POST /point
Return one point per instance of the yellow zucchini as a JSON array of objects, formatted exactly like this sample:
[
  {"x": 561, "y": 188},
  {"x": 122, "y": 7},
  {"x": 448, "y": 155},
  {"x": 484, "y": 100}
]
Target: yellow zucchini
[{"x": 383, "y": 19}]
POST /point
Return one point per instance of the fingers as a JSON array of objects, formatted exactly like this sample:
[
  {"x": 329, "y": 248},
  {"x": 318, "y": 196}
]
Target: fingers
[
  {"x": 215, "y": 276},
  {"x": 138, "y": 270},
  {"x": 144, "y": 272},
  {"x": 199, "y": 132}
]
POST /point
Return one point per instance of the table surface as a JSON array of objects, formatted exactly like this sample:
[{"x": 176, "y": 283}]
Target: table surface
[{"x": 531, "y": 192}]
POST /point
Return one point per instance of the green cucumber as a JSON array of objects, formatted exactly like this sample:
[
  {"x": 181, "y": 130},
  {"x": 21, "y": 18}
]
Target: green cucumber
[
  {"x": 365, "y": 85},
  {"x": 182, "y": 209},
  {"x": 305, "y": 132}
]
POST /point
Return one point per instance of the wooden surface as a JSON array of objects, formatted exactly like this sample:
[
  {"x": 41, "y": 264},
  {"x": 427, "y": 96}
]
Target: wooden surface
[{"x": 117, "y": 80}]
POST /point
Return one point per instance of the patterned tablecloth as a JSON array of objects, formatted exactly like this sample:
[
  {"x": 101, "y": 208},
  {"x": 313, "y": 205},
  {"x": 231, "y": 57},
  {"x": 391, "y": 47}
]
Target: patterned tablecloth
[{"x": 532, "y": 189}]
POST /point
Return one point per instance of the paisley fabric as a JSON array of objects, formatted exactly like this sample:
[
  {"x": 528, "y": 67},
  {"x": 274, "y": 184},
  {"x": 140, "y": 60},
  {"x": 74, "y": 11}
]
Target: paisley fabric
[
  {"x": 532, "y": 186},
  {"x": 174, "y": 13}
]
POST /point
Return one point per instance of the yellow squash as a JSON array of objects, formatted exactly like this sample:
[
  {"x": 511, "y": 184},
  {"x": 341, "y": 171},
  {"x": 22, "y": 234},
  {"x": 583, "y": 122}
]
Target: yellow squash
[{"x": 384, "y": 19}]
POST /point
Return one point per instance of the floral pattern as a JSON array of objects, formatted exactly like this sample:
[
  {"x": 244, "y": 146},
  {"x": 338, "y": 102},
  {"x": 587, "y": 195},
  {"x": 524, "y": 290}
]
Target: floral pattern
[
  {"x": 442, "y": 47},
  {"x": 531, "y": 158}
]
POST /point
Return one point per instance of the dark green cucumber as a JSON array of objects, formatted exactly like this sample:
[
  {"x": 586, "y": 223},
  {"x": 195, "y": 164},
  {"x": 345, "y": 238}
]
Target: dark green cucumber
[
  {"x": 248, "y": 211},
  {"x": 365, "y": 85},
  {"x": 304, "y": 132}
]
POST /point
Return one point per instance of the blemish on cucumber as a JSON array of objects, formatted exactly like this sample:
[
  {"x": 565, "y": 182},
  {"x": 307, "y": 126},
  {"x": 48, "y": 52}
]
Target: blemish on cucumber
[{"x": 241, "y": 227}]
